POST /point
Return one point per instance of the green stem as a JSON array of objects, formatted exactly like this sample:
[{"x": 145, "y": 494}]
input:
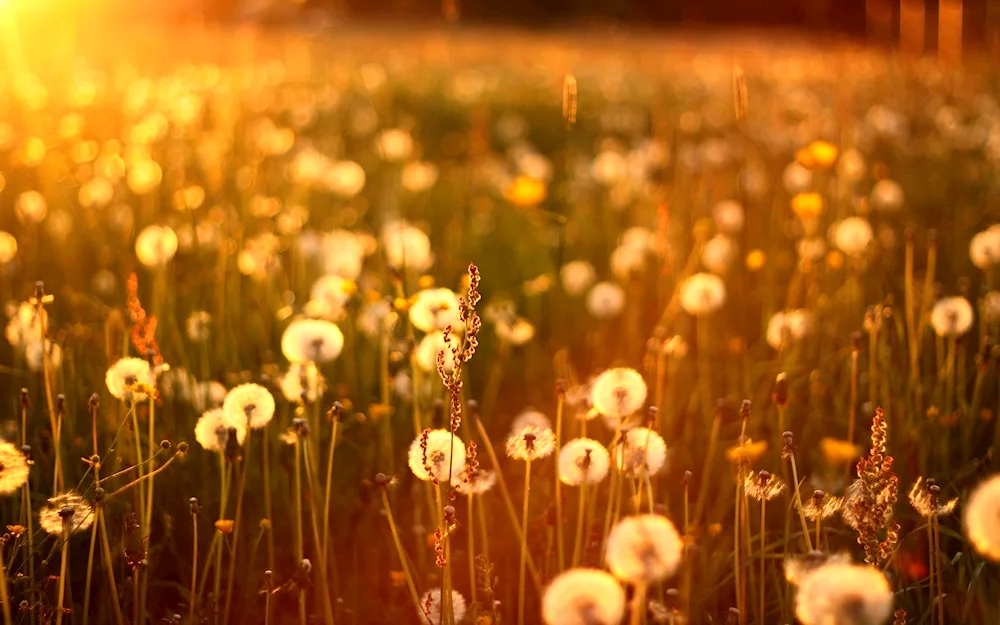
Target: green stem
[
  {"x": 798, "y": 506},
  {"x": 236, "y": 528},
  {"x": 580, "y": 513},
  {"x": 324, "y": 587},
  {"x": 326, "y": 494},
  {"x": 524, "y": 542}
]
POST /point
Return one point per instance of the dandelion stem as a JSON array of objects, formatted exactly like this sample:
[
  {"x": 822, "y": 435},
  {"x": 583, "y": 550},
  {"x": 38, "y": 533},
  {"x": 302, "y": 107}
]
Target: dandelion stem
[
  {"x": 299, "y": 547},
  {"x": 763, "y": 550},
  {"x": 713, "y": 441},
  {"x": 524, "y": 541},
  {"x": 4, "y": 594},
  {"x": 63, "y": 571},
  {"x": 213, "y": 548},
  {"x": 737, "y": 569},
  {"x": 194, "y": 564},
  {"x": 414, "y": 595},
  {"x": 326, "y": 494},
  {"x": 581, "y": 512},
  {"x": 447, "y": 611},
  {"x": 471, "y": 534},
  {"x": 236, "y": 528},
  {"x": 138, "y": 468},
  {"x": 267, "y": 501},
  {"x": 148, "y": 477},
  {"x": 324, "y": 586},
  {"x": 560, "y": 402},
  {"x": 90, "y": 570},
  {"x": 798, "y": 504},
  {"x": 852, "y": 407},
  {"x": 937, "y": 568},
  {"x": 108, "y": 568}
]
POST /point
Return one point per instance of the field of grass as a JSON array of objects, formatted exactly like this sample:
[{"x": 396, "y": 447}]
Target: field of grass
[{"x": 481, "y": 327}]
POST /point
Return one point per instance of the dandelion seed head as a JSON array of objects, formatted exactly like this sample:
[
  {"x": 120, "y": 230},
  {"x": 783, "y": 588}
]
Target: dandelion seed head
[
  {"x": 844, "y": 594},
  {"x": 644, "y": 549},
  {"x": 576, "y": 277},
  {"x": 442, "y": 450},
  {"x": 763, "y": 486},
  {"x": 344, "y": 179},
  {"x": 8, "y": 247},
  {"x": 984, "y": 248},
  {"x": 311, "y": 340},
  {"x": 406, "y": 246},
  {"x": 155, "y": 246},
  {"x": 728, "y": 216},
  {"x": 430, "y": 605},
  {"x": 796, "y": 178},
  {"x": 303, "y": 380},
  {"x": 33, "y": 354},
  {"x": 618, "y": 394},
  {"x": 436, "y": 309},
  {"x": 329, "y": 295},
  {"x": 952, "y": 317},
  {"x": 426, "y": 354},
  {"x": 719, "y": 254},
  {"x": 887, "y": 196},
  {"x": 981, "y": 518},
  {"x": 788, "y": 327},
  {"x": 126, "y": 376},
  {"x": 481, "y": 481},
  {"x": 14, "y": 468},
  {"x": 852, "y": 235},
  {"x": 627, "y": 261},
  {"x": 641, "y": 452},
  {"x": 530, "y": 417},
  {"x": 925, "y": 498},
  {"x": 419, "y": 176},
  {"x": 212, "y": 430},
  {"x": 67, "y": 512},
  {"x": 605, "y": 300},
  {"x": 198, "y": 326},
  {"x": 394, "y": 145},
  {"x": 798, "y": 567},
  {"x": 821, "y": 505},
  {"x": 583, "y": 597},
  {"x": 583, "y": 461},
  {"x": 342, "y": 255},
  {"x": 702, "y": 294},
  {"x": 851, "y": 166},
  {"x": 531, "y": 443},
  {"x": 249, "y": 404},
  {"x": 516, "y": 331}
]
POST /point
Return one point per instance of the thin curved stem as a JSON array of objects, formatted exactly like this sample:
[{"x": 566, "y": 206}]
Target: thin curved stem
[{"x": 524, "y": 541}]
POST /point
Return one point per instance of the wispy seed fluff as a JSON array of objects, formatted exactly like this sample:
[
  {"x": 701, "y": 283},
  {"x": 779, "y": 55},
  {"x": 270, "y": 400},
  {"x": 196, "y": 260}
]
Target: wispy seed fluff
[
  {"x": 126, "y": 376},
  {"x": 407, "y": 246},
  {"x": 430, "y": 607},
  {"x": 576, "y": 277},
  {"x": 437, "y": 455},
  {"x": 155, "y": 246},
  {"x": 13, "y": 468},
  {"x": 982, "y": 518},
  {"x": 583, "y": 597},
  {"x": 641, "y": 452},
  {"x": 702, "y": 294},
  {"x": 311, "y": 340},
  {"x": 67, "y": 512},
  {"x": 618, "y": 394},
  {"x": 480, "y": 482},
  {"x": 605, "y": 300},
  {"x": 249, "y": 404},
  {"x": 788, "y": 327},
  {"x": 844, "y": 594},
  {"x": 531, "y": 443},
  {"x": 951, "y": 316},
  {"x": 984, "y": 248},
  {"x": 644, "y": 549},
  {"x": 583, "y": 461},
  {"x": 426, "y": 354},
  {"x": 852, "y": 235},
  {"x": 435, "y": 309},
  {"x": 212, "y": 430},
  {"x": 530, "y": 416}
]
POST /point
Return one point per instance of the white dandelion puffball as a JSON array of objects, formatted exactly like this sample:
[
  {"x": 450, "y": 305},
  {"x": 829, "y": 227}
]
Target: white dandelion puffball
[
  {"x": 618, "y": 393},
  {"x": 531, "y": 443},
  {"x": 641, "y": 452},
  {"x": 407, "y": 246},
  {"x": 844, "y": 594},
  {"x": 718, "y": 254},
  {"x": 311, "y": 340},
  {"x": 302, "y": 380},
  {"x": 644, "y": 549},
  {"x": 31, "y": 207},
  {"x": 851, "y": 166},
  {"x": 583, "y": 597},
  {"x": 951, "y": 316},
  {"x": 419, "y": 176},
  {"x": 478, "y": 483},
  {"x": 344, "y": 178},
  {"x": 249, "y": 404},
  {"x": 605, "y": 300},
  {"x": 329, "y": 295},
  {"x": 576, "y": 277},
  {"x": 627, "y": 260},
  {"x": 887, "y": 196},
  {"x": 155, "y": 246},
  {"x": 852, "y": 235},
  {"x": 437, "y": 455},
  {"x": 436, "y": 309},
  {"x": 984, "y": 248},
  {"x": 430, "y": 607},
  {"x": 796, "y": 178},
  {"x": 14, "y": 468},
  {"x": 66, "y": 513},
  {"x": 126, "y": 376},
  {"x": 583, "y": 461},
  {"x": 787, "y": 327},
  {"x": 981, "y": 518},
  {"x": 426, "y": 354},
  {"x": 531, "y": 417},
  {"x": 609, "y": 167},
  {"x": 991, "y": 306},
  {"x": 34, "y": 357},
  {"x": 516, "y": 331},
  {"x": 8, "y": 247},
  {"x": 212, "y": 430},
  {"x": 728, "y": 217},
  {"x": 25, "y": 324},
  {"x": 702, "y": 294}
]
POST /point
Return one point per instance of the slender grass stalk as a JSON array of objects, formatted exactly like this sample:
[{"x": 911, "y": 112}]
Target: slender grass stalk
[
  {"x": 484, "y": 534},
  {"x": 763, "y": 552},
  {"x": 580, "y": 513},
  {"x": 613, "y": 488},
  {"x": 704, "y": 379},
  {"x": 737, "y": 559},
  {"x": 236, "y": 528},
  {"x": 148, "y": 515},
  {"x": 63, "y": 572},
  {"x": 194, "y": 562},
  {"x": 139, "y": 464},
  {"x": 324, "y": 586},
  {"x": 524, "y": 541},
  {"x": 269, "y": 587},
  {"x": 299, "y": 547},
  {"x": 411, "y": 586},
  {"x": 638, "y": 611},
  {"x": 213, "y": 547},
  {"x": 505, "y": 495},
  {"x": 798, "y": 504},
  {"x": 560, "y": 402},
  {"x": 937, "y": 568},
  {"x": 852, "y": 407},
  {"x": 90, "y": 573},
  {"x": 4, "y": 593},
  {"x": 268, "y": 510},
  {"x": 329, "y": 481},
  {"x": 447, "y": 610},
  {"x": 713, "y": 441},
  {"x": 108, "y": 568},
  {"x": 471, "y": 546},
  {"x": 136, "y": 611},
  {"x": 931, "y": 566}
]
